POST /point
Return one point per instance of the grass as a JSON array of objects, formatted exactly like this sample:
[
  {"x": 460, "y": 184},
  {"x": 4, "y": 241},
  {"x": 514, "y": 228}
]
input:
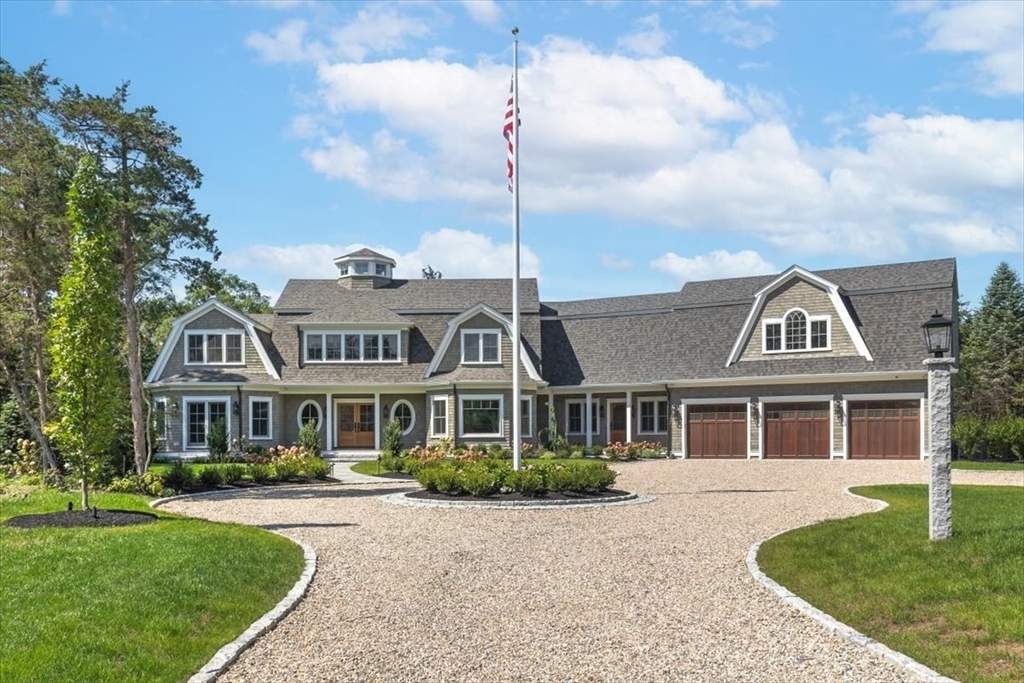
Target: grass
[
  {"x": 369, "y": 467},
  {"x": 151, "y": 602},
  {"x": 988, "y": 465},
  {"x": 162, "y": 467},
  {"x": 957, "y": 605}
]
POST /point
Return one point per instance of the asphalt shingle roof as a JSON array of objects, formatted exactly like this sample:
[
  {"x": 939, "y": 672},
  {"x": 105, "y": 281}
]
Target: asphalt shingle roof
[{"x": 454, "y": 295}]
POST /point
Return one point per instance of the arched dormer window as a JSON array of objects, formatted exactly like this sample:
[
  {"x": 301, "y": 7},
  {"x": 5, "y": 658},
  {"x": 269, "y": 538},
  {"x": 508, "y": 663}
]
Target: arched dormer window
[{"x": 796, "y": 331}]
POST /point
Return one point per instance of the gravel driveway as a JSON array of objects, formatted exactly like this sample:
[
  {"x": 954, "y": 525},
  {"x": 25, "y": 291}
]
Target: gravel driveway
[{"x": 652, "y": 592}]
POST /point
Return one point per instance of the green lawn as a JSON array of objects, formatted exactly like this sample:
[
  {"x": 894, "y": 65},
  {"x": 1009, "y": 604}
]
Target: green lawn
[
  {"x": 987, "y": 465},
  {"x": 369, "y": 467},
  {"x": 957, "y": 605},
  {"x": 151, "y": 602}
]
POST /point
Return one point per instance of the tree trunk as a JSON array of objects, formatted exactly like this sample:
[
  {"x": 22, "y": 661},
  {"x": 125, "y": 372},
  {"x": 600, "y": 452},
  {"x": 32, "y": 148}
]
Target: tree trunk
[
  {"x": 135, "y": 378},
  {"x": 42, "y": 398},
  {"x": 85, "y": 487},
  {"x": 33, "y": 424}
]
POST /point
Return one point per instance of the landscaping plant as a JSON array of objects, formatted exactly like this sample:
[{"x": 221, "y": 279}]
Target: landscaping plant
[
  {"x": 217, "y": 440},
  {"x": 391, "y": 442},
  {"x": 309, "y": 438}
]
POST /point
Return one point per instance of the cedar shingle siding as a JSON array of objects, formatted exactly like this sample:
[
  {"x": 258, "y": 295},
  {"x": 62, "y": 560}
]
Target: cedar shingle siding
[{"x": 672, "y": 345}]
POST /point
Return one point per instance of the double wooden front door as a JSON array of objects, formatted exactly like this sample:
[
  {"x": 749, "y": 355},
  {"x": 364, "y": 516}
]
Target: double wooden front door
[{"x": 356, "y": 425}]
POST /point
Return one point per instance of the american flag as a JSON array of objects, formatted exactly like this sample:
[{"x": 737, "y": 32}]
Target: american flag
[{"x": 507, "y": 131}]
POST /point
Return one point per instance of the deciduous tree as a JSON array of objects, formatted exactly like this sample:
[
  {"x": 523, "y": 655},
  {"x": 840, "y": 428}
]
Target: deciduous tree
[{"x": 85, "y": 332}]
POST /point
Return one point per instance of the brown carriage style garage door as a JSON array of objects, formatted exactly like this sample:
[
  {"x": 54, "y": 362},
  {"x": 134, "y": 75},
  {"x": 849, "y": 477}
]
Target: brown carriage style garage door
[
  {"x": 885, "y": 429},
  {"x": 796, "y": 430},
  {"x": 716, "y": 431}
]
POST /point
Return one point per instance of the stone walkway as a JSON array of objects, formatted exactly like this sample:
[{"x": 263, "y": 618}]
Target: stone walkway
[
  {"x": 342, "y": 471},
  {"x": 655, "y": 592}
]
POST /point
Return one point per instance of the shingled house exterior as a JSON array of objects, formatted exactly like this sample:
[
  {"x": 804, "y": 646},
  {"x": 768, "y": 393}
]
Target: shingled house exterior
[{"x": 802, "y": 364}]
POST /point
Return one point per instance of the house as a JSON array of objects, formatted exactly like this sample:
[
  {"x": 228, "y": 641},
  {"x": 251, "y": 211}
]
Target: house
[{"x": 801, "y": 364}]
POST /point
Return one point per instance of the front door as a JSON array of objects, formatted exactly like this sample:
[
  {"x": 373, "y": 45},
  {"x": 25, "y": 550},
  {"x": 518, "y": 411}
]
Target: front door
[
  {"x": 617, "y": 429},
  {"x": 356, "y": 426}
]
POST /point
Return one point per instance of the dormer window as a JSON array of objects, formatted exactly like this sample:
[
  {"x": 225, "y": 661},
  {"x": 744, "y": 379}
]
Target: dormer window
[
  {"x": 382, "y": 269},
  {"x": 213, "y": 348},
  {"x": 481, "y": 346},
  {"x": 353, "y": 347},
  {"x": 797, "y": 331}
]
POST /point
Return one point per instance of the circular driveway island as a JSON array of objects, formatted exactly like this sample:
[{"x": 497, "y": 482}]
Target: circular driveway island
[{"x": 655, "y": 592}]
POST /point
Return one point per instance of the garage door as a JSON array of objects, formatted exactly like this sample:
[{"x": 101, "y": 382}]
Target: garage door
[
  {"x": 796, "y": 430},
  {"x": 885, "y": 429},
  {"x": 716, "y": 431}
]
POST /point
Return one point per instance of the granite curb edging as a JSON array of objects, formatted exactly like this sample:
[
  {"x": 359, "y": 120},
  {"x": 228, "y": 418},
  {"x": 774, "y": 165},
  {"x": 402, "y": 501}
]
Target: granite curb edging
[
  {"x": 227, "y": 654},
  {"x": 401, "y": 498},
  {"x": 831, "y": 623}
]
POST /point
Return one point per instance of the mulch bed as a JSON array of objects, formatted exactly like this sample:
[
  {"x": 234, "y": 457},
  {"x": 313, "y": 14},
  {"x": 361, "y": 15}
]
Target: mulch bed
[
  {"x": 551, "y": 495},
  {"x": 77, "y": 518}
]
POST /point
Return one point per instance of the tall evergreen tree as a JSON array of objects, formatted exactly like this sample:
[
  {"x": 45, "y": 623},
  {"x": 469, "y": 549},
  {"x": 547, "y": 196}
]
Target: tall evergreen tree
[
  {"x": 35, "y": 168},
  {"x": 992, "y": 355},
  {"x": 85, "y": 332},
  {"x": 152, "y": 213}
]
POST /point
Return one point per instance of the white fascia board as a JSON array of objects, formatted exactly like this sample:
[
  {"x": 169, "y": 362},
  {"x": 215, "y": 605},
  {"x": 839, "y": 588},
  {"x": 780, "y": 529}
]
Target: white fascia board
[
  {"x": 453, "y": 326},
  {"x": 834, "y": 295},
  {"x": 178, "y": 326},
  {"x": 799, "y": 379}
]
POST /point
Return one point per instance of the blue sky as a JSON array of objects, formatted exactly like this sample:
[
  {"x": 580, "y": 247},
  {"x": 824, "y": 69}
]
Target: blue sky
[{"x": 660, "y": 142}]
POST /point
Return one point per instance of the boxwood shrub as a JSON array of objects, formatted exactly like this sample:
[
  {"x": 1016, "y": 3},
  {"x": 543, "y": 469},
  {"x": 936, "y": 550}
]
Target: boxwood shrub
[{"x": 489, "y": 476}]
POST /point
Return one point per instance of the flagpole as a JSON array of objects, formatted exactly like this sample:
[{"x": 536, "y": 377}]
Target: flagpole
[{"x": 517, "y": 414}]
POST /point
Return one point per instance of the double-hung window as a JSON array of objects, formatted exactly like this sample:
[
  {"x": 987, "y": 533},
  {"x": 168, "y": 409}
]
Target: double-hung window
[
  {"x": 653, "y": 416},
  {"x": 260, "y": 418},
  {"x": 526, "y": 416},
  {"x": 353, "y": 347},
  {"x": 213, "y": 348},
  {"x": 574, "y": 412},
  {"x": 439, "y": 417},
  {"x": 481, "y": 346}
]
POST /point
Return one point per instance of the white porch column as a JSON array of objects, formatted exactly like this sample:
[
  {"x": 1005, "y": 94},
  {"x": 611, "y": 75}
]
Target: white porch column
[
  {"x": 376, "y": 421},
  {"x": 586, "y": 420},
  {"x": 329, "y": 424},
  {"x": 629, "y": 416}
]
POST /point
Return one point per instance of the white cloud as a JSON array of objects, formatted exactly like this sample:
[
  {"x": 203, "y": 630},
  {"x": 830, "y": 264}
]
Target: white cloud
[
  {"x": 726, "y": 19},
  {"x": 712, "y": 266},
  {"x": 647, "y": 40},
  {"x": 62, "y": 8},
  {"x": 376, "y": 28},
  {"x": 613, "y": 262},
  {"x": 286, "y": 44},
  {"x": 456, "y": 253},
  {"x": 991, "y": 30},
  {"x": 279, "y": 4},
  {"x": 486, "y": 12},
  {"x": 659, "y": 142},
  {"x": 974, "y": 238}
]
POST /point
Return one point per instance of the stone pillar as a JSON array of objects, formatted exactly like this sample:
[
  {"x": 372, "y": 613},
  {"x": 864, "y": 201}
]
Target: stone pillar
[{"x": 940, "y": 492}]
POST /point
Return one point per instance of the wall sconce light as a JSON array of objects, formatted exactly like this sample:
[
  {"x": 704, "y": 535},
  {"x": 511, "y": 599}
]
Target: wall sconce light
[
  {"x": 840, "y": 415},
  {"x": 174, "y": 407},
  {"x": 755, "y": 412},
  {"x": 386, "y": 410}
]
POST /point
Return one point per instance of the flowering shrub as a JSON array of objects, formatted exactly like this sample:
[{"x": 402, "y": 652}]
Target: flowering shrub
[
  {"x": 471, "y": 454},
  {"x": 635, "y": 449},
  {"x": 149, "y": 483},
  {"x": 22, "y": 461}
]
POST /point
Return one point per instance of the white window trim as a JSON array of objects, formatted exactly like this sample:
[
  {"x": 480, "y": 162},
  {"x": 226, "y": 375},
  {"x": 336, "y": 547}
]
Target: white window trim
[
  {"x": 782, "y": 323},
  {"x": 526, "y": 428},
  {"x": 482, "y": 397},
  {"x": 496, "y": 332},
  {"x": 319, "y": 413},
  {"x": 595, "y": 428},
  {"x": 640, "y": 415},
  {"x": 270, "y": 417},
  {"x": 165, "y": 401},
  {"x": 412, "y": 411},
  {"x": 433, "y": 403},
  {"x": 223, "y": 345},
  {"x": 185, "y": 402},
  {"x": 323, "y": 346}
]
